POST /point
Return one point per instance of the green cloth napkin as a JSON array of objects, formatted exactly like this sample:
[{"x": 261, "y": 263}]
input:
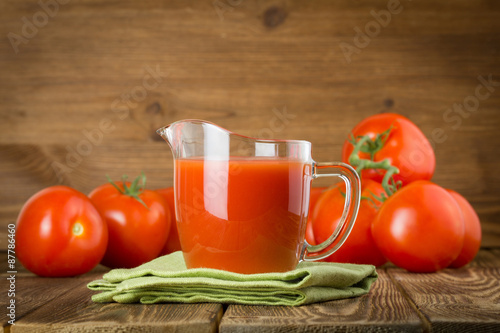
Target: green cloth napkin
[{"x": 166, "y": 279}]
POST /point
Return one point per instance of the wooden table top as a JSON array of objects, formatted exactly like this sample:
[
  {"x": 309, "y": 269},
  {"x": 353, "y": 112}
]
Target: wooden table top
[{"x": 452, "y": 300}]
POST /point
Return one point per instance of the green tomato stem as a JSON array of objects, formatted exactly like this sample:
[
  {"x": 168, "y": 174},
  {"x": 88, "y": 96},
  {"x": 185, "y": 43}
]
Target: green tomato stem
[
  {"x": 367, "y": 145},
  {"x": 135, "y": 189}
]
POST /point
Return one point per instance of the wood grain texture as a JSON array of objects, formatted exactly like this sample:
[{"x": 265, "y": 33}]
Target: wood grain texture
[
  {"x": 34, "y": 292},
  {"x": 384, "y": 309},
  {"x": 74, "y": 97},
  {"x": 465, "y": 300},
  {"x": 75, "y": 312},
  {"x": 462, "y": 300}
]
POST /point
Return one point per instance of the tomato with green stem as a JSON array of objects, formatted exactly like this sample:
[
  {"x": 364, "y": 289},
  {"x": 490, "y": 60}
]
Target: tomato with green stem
[
  {"x": 60, "y": 233},
  {"x": 420, "y": 228},
  {"x": 398, "y": 156},
  {"x": 359, "y": 247},
  {"x": 390, "y": 139},
  {"x": 138, "y": 222}
]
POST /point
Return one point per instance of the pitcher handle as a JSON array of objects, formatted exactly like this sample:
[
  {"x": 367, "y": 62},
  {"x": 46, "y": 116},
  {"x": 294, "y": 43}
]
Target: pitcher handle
[{"x": 351, "y": 206}]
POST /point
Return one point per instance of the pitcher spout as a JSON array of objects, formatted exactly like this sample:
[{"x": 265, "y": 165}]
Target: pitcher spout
[
  {"x": 164, "y": 133},
  {"x": 196, "y": 138},
  {"x": 193, "y": 138}
]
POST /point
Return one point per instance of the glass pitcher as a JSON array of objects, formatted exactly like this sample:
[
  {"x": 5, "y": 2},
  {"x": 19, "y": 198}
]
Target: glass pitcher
[{"x": 242, "y": 203}]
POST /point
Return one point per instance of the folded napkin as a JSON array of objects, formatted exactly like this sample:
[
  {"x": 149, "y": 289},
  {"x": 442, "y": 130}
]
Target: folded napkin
[{"x": 166, "y": 279}]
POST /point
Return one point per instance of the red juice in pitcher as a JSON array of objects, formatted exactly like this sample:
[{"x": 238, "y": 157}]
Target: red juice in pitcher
[
  {"x": 241, "y": 203},
  {"x": 242, "y": 215}
]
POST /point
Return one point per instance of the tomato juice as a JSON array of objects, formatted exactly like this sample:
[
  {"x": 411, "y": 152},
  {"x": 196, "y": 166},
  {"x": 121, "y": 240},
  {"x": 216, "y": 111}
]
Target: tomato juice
[{"x": 242, "y": 215}]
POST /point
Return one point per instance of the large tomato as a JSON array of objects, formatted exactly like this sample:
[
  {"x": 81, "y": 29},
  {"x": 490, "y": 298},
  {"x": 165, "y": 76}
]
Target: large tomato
[
  {"x": 60, "y": 233},
  {"x": 405, "y": 146},
  {"x": 137, "y": 230},
  {"x": 173, "y": 244},
  {"x": 420, "y": 228},
  {"x": 313, "y": 199},
  {"x": 359, "y": 248},
  {"x": 472, "y": 239}
]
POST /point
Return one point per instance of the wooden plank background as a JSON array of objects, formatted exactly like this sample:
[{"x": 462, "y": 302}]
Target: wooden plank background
[{"x": 78, "y": 100}]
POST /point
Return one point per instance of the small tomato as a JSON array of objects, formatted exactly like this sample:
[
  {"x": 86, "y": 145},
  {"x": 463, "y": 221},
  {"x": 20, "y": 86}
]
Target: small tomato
[
  {"x": 420, "y": 228},
  {"x": 60, "y": 233},
  {"x": 138, "y": 222}
]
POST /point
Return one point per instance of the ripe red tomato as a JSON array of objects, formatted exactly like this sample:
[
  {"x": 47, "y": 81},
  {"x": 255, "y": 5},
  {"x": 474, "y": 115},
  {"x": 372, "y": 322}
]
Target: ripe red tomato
[
  {"x": 313, "y": 199},
  {"x": 406, "y": 147},
  {"x": 60, "y": 233},
  {"x": 472, "y": 239},
  {"x": 420, "y": 228},
  {"x": 173, "y": 244},
  {"x": 136, "y": 234},
  {"x": 359, "y": 248}
]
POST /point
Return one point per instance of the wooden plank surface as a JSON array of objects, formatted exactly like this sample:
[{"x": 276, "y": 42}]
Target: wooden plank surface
[
  {"x": 30, "y": 293},
  {"x": 66, "y": 88},
  {"x": 384, "y": 309},
  {"x": 74, "y": 311},
  {"x": 465, "y": 299},
  {"x": 459, "y": 300}
]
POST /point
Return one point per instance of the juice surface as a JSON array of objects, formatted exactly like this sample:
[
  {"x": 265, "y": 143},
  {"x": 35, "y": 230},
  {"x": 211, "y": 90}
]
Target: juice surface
[{"x": 242, "y": 215}]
